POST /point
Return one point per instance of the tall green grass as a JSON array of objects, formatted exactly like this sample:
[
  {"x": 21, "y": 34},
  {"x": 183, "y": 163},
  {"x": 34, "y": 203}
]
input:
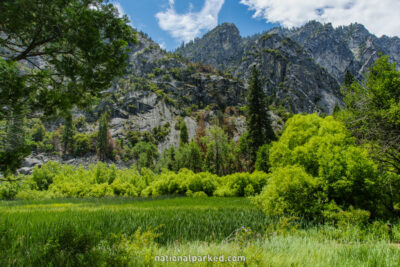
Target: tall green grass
[
  {"x": 106, "y": 232},
  {"x": 183, "y": 219}
]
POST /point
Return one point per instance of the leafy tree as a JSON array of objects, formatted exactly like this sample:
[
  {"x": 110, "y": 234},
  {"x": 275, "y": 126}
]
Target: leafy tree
[
  {"x": 200, "y": 133},
  {"x": 58, "y": 54},
  {"x": 219, "y": 157},
  {"x": 184, "y": 136},
  {"x": 189, "y": 156},
  {"x": 68, "y": 135},
  {"x": 75, "y": 48},
  {"x": 168, "y": 159},
  {"x": 292, "y": 192},
  {"x": 146, "y": 155},
  {"x": 262, "y": 162},
  {"x": 259, "y": 127},
  {"x": 324, "y": 148},
  {"x": 373, "y": 116}
]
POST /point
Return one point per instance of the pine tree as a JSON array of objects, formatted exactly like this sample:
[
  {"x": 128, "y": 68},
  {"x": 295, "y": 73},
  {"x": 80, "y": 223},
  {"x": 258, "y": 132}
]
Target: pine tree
[
  {"x": 348, "y": 78},
  {"x": 13, "y": 149},
  {"x": 68, "y": 135},
  {"x": 184, "y": 133},
  {"x": 259, "y": 127},
  {"x": 102, "y": 137}
]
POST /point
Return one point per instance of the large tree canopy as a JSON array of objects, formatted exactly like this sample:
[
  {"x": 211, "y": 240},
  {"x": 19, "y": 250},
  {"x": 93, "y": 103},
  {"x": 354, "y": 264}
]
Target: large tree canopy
[
  {"x": 373, "y": 112},
  {"x": 55, "y": 54}
]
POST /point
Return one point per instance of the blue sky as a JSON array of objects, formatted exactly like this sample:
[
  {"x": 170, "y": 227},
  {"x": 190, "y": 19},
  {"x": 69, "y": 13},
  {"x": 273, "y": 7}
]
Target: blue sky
[
  {"x": 170, "y": 22},
  {"x": 143, "y": 17}
]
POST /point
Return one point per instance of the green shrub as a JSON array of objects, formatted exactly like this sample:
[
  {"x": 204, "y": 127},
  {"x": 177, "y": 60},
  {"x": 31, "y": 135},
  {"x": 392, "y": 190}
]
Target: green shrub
[
  {"x": 291, "y": 192},
  {"x": 81, "y": 145},
  {"x": 356, "y": 217},
  {"x": 326, "y": 150},
  {"x": 243, "y": 184},
  {"x": 100, "y": 190},
  {"x": 199, "y": 194},
  {"x": 44, "y": 176},
  {"x": 125, "y": 189},
  {"x": 8, "y": 190},
  {"x": 38, "y": 132}
]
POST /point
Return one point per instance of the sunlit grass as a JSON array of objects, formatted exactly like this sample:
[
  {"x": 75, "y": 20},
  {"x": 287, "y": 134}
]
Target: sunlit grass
[{"x": 31, "y": 233}]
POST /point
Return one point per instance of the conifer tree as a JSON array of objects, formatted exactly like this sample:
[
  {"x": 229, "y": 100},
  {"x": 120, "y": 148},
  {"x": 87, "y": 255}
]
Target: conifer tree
[
  {"x": 13, "y": 147},
  {"x": 348, "y": 78},
  {"x": 68, "y": 135},
  {"x": 184, "y": 133},
  {"x": 259, "y": 127},
  {"x": 102, "y": 137}
]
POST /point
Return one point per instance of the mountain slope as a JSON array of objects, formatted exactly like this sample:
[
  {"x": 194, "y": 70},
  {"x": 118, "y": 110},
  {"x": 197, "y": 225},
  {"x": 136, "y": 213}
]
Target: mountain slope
[
  {"x": 339, "y": 49},
  {"x": 295, "y": 80}
]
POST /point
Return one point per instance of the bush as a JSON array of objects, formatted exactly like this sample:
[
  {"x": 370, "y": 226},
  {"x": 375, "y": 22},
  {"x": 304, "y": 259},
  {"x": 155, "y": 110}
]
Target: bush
[
  {"x": 38, "y": 132},
  {"x": 44, "y": 176},
  {"x": 125, "y": 189},
  {"x": 181, "y": 183},
  {"x": 8, "y": 190},
  {"x": 291, "y": 192},
  {"x": 356, "y": 217},
  {"x": 243, "y": 184},
  {"x": 199, "y": 194},
  {"x": 325, "y": 150},
  {"x": 81, "y": 145}
]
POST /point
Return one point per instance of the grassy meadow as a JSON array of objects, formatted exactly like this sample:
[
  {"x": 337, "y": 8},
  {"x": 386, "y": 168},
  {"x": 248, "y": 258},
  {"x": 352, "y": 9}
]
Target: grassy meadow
[{"x": 131, "y": 232}]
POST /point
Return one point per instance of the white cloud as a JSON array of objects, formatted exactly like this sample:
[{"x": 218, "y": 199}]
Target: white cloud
[
  {"x": 122, "y": 12},
  {"x": 379, "y": 16},
  {"x": 162, "y": 45},
  {"x": 186, "y": 27}
]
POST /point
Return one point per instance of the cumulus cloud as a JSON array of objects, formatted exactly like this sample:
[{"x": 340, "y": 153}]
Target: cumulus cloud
[
  {"x": 379, "y": 16},
  {"x": 186, "y": 27}
]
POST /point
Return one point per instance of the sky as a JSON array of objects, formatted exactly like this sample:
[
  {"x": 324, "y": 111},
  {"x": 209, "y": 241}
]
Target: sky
[{"x": 172, "y": 22}]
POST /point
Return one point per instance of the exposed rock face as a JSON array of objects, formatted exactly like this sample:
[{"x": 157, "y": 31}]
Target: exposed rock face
[
  {"x": 294, "y": 79},
  {"x": 158, "y": 88},
  {"x": 338, "y": 49},
  {"x": 288, "y": 63},
  {"x": 219, "y": 47}
]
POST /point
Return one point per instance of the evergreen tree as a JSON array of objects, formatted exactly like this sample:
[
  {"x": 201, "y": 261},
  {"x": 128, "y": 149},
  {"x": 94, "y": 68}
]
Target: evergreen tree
[
  {"x": 68, "y": 135},
  {"x": 259, "y": 127},
  {"x": 184, "y": 133},
  {"x": 348, "y": 78},
  {"x": 102, "y": 137},
  {"x": 13, "y": 148}
]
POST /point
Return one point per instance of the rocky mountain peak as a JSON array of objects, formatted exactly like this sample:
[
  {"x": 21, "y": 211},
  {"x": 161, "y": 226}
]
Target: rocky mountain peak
[{"x": 217, "y": 47}]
